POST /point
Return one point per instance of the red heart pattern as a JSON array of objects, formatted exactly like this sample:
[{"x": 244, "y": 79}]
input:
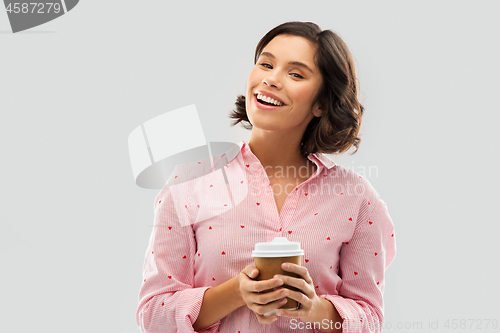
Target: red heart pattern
[
  {"x": 307, "y": 260},
  {"x": 242, "y": 226},
  {"x": 169, "y": 228},
  {"x": 223, "y": 253},
  {"x": 289, "y": 231},
  {"x": 184, "y": 257}
]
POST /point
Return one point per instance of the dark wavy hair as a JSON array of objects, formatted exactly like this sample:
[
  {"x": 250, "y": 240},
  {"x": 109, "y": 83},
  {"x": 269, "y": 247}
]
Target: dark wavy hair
[{"x": 336, "y": 130}]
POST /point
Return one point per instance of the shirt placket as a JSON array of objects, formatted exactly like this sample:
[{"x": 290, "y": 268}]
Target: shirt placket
[{"x": 290, "y": 206}]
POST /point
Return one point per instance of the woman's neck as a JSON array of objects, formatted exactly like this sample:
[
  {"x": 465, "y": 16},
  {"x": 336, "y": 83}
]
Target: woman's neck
[{"x": 282, "y": 158}]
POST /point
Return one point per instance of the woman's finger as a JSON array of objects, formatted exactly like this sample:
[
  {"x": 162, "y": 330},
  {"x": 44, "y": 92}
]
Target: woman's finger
[
  {"x": 260, "y": 286},
  {"x": 302, "y": 271},
  {"x": 251, "y": 271},
  {"x": 266, "y": 320}
]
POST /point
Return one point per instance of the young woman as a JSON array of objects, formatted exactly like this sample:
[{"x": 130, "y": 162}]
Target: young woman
[{"x": 301, "y": 102}]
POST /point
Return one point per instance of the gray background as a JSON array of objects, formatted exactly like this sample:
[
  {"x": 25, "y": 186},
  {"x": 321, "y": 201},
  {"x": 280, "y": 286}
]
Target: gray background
[{"x": 75, "y": 227}]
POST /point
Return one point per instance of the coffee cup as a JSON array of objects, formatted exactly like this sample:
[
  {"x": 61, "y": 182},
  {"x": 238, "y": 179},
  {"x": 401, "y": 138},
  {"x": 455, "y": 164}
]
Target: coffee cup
[{"x": 269, "y": 256}]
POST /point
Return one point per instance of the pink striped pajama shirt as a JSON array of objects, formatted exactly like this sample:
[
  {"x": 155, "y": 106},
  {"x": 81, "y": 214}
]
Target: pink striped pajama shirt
[{"x": 337, "y": 216}]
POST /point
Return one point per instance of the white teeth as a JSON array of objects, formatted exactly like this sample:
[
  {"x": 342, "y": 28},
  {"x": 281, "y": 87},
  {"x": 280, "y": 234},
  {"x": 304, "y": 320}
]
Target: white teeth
[{"x": 269, "y": 100}]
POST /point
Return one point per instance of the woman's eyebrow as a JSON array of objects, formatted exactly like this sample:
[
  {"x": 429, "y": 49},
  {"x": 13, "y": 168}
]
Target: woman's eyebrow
[{"x": 296, "y": 63}]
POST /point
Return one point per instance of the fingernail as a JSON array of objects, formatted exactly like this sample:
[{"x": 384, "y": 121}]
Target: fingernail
[
  {"x": 286, "y": 266},
  {"x": 254, "y": 271}
]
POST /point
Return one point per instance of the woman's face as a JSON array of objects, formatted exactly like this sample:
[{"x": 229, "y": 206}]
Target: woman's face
[{"x": 292, "y": 84}]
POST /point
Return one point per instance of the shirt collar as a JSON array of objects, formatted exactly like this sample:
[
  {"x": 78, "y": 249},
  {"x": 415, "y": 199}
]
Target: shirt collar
[{"x": 321, "y": 158}]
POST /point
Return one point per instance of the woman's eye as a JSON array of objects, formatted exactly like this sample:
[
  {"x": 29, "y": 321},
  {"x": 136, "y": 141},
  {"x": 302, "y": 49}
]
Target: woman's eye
[{"x": 270, "y": 67}]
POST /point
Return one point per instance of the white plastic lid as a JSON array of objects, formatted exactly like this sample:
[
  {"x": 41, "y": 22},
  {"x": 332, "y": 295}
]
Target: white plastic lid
[{"x": 279, "y": 247}]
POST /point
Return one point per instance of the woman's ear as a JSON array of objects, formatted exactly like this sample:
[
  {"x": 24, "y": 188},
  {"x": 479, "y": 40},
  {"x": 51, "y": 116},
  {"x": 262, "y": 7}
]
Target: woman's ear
[{"x": 317, "y": 110}]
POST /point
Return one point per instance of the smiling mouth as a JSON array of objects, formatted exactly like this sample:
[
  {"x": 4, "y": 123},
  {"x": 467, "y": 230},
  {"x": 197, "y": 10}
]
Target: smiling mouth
[{"x": 266, "y": 103}]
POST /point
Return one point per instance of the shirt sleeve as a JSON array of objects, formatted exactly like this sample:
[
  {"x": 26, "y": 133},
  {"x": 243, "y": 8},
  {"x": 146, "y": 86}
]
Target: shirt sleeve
[
  {"x": 363, "y": 261},
  {"x": 168, "y": 300}
]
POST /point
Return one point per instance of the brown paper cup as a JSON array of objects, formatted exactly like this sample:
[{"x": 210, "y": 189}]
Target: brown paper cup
[{"x": 269, "y": 267}]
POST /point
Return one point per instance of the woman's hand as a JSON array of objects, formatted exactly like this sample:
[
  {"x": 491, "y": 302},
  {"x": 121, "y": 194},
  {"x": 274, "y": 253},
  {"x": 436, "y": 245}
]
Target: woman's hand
[
  {"x": 311, "y": 305},
  {"x": 261, "y": 303}
]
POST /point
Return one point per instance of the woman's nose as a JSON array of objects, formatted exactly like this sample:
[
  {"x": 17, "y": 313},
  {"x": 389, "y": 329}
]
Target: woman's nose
[{"x": 272, "y": 81}]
